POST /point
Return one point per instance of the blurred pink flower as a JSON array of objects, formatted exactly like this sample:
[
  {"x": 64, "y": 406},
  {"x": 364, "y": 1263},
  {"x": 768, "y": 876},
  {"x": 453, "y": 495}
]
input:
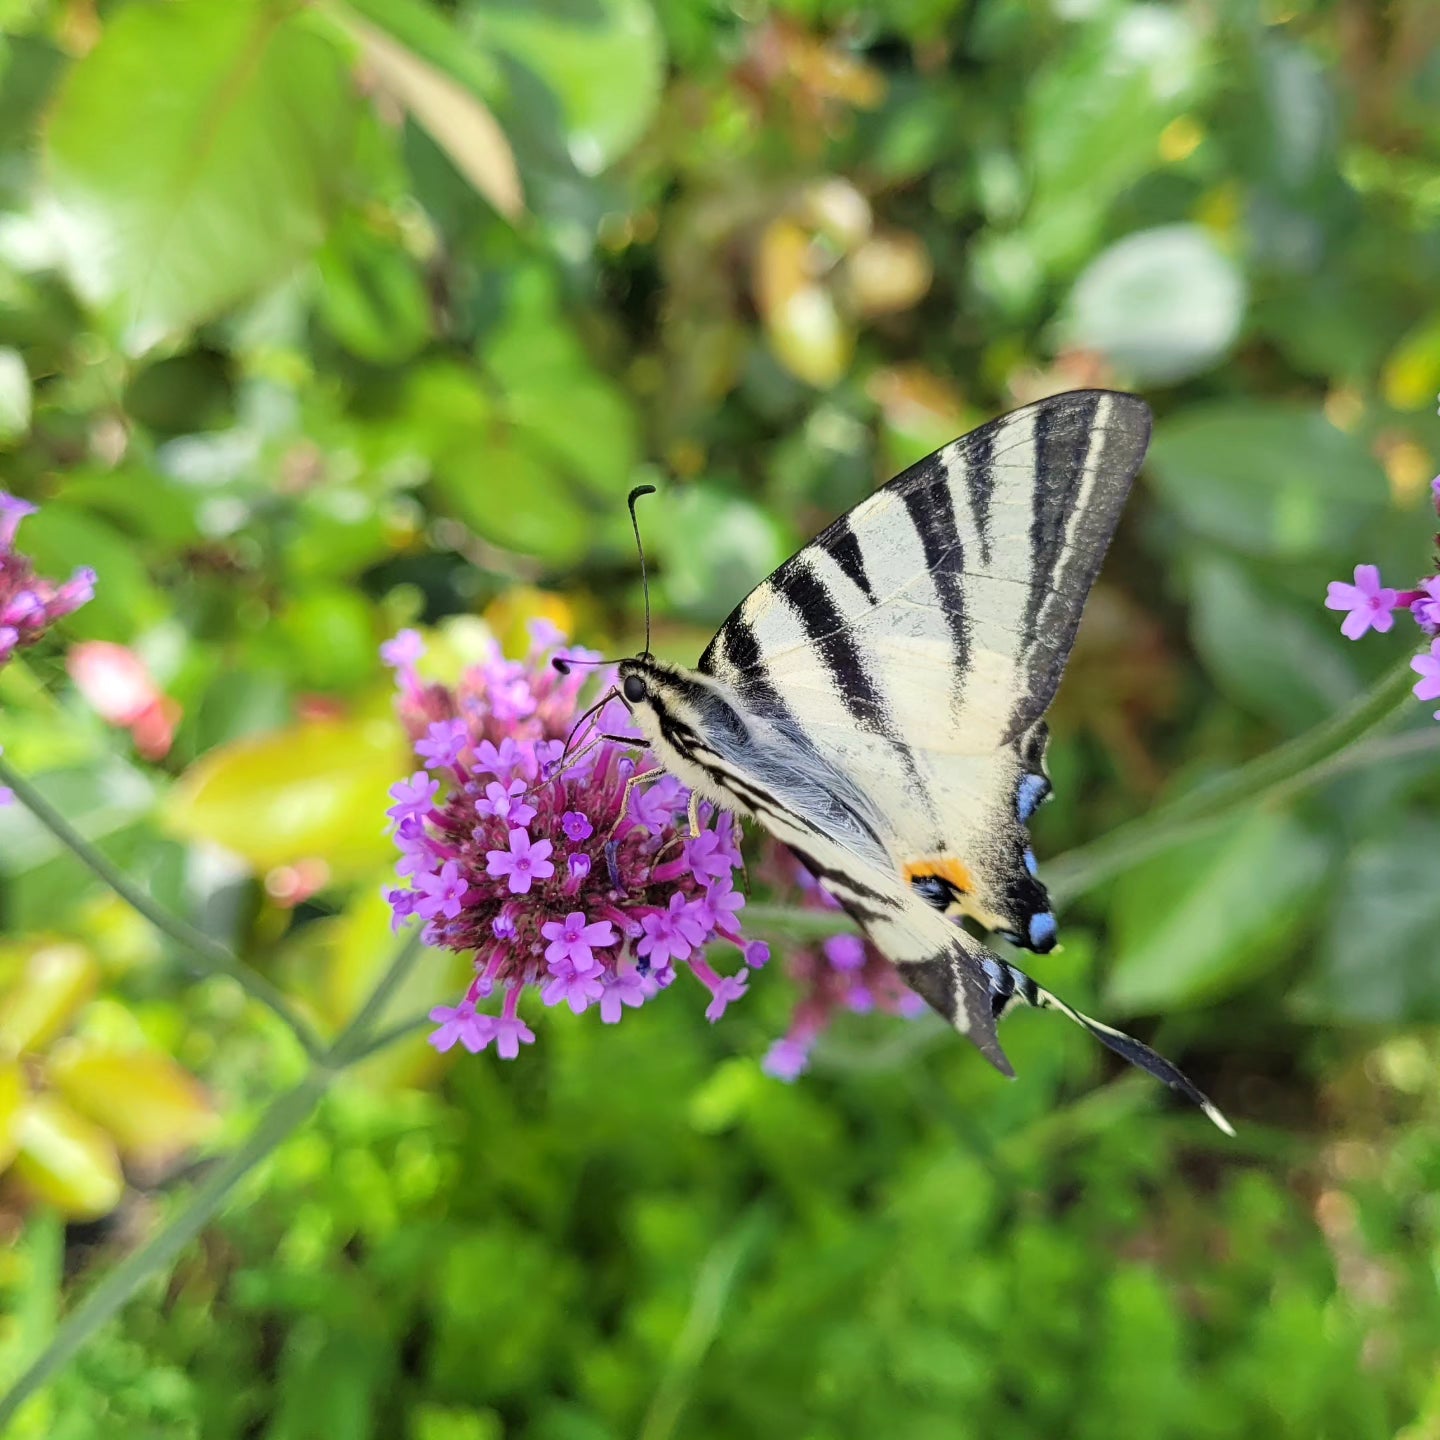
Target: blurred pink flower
[{"x": 118, "y": 687}]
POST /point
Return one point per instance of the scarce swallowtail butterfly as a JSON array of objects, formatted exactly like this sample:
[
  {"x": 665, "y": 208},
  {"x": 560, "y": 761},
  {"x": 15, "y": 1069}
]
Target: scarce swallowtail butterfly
[{"x": 877, "y": 703}]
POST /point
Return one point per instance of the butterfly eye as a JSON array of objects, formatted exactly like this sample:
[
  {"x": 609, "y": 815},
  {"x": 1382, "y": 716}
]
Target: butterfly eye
[{"x": 634, "y": 689}]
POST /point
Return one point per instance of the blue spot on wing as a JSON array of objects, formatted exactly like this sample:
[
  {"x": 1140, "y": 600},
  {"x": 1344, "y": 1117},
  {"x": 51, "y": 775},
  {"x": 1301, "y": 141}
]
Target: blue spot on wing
[
  {"x": 1030, "y": 864},
  {"x": 1042, "y": 930},
  {"x": 1033, "y": 789}
]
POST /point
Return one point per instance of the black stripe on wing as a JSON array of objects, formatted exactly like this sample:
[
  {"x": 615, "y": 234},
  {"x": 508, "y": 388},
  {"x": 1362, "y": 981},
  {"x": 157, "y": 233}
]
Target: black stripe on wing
[
  {"x": 1105, "y": 433},
  {"x": 843, "y": 544},
  {"x": 932, "y": 513}
]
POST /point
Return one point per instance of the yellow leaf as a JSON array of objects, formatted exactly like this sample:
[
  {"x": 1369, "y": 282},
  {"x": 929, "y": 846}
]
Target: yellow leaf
[
  {"x": 316, "y": 790},
  {"x": 457, "y": 120},
  {"x": 66, "y": 1161},
  {"x": 151, "y": 1107},
  {"x": 805, "y": 329},
  {"x": 55, "y": 979},
  {"x": 12, "y": 1106}
]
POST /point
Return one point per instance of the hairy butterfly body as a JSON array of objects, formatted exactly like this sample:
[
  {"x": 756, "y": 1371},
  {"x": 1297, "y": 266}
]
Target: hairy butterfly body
[{"x": 877, "y": 703}]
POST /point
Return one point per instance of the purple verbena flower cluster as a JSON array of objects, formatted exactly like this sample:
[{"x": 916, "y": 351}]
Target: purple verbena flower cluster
[
  {"x": 843, "y": 972},
  {"x": 29, "y": 604},
  {"x": 1371, "y": 606},
  {"x": 531, "y": 859}
]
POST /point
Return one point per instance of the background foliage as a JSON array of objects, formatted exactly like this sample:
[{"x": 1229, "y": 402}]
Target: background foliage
[{"x": 316, "y": 320}]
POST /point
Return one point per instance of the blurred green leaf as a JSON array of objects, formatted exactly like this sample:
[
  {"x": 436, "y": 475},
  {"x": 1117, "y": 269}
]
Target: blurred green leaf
[
  {"x": 1208, "y": 917},
  {"x": 372, "y": 297},
  {"x": 174, "y": 200},
  {"x": 602, "y": 59},
  {"x": 314, "y": 791},
  {"x": 1160, "y": 305},
  {"x": 13, "y": 1097},
  {"x": 61, "y": 537},
  {"x": 1271, "y": 480},
  {"x": 1092, "y": 116},
  {"x": 1377, "y": 962},
  {"x": 1267, "y": 653},
  {"x": 715, "y": 547},
  {"x": 14, "y": 395}
]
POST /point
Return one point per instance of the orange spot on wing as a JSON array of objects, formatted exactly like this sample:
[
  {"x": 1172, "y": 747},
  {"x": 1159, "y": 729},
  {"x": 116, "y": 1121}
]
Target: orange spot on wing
[{"x": 946, "y": 867}]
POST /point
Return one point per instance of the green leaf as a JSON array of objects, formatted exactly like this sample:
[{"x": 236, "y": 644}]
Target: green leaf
[
  {"x": 61, "y": 537},
  {"x": 194, "y": 156},
  {"x": 1205, "y": 918},
  {"x": 14, "y": 395},
  {"x": 371, "y": 297},
  {"x": 1286, "y": 664},
  {"x": 1273, "y": 480},
  {"x": 1091, "y": 117},
  {"x": 1377, "y": 960},
  {"x": 1161, "y": 305},
  {"x": 604, "y": 61},
  {"x": 716, "y": 546}
]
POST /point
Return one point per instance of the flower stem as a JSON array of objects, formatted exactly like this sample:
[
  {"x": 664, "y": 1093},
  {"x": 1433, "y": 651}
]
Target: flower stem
[
  {"x": 1298, "y": 765},
  {"x": 1278, "y": 775},
  {"x": 285, "y": 1115},
  {"x": 213, "y": 956}
]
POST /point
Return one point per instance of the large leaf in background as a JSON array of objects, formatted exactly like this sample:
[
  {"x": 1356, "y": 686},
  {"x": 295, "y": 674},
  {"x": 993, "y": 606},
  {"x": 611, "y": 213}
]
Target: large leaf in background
[
  {"x": 1268, "y": 655},
  {"x": 603, "y": 60},
  {"x": 1204, "y": 918},
  {"x": 1161, "y": 305},
  {"x": 1091, "y": 117},
  {"x": 1273, "y": 480},
  {"x": 314, "y": 791},
  {"x": 456, "y": 119},
  {"x": 716, "y": 547},
  {"x": 1378, "y": 960},
  {"x": 194, "y": 156},
  {"x": 555, "y": 393},
  {"x": 66, "y": 1161},
  {"x": 60, "y": 537}
]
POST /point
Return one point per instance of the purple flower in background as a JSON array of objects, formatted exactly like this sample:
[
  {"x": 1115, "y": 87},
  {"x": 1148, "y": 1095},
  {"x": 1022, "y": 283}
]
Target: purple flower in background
[
  {"x": 1370, "y": 604},
  {"x": 842, "y": 973},
  {"x": 1425, "y": 606},
  {"x": 30, "y": 604},
  {"x": 528, "y": 864},
  {"x": 1427, "y": 667}
]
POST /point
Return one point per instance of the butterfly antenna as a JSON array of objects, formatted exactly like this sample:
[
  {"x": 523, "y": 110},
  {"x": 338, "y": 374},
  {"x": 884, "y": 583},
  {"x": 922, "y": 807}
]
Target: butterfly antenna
[{"x": 635, "y": 494}]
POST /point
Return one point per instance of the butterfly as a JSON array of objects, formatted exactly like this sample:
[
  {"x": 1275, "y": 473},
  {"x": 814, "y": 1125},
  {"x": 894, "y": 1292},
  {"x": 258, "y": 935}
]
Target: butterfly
[{"x": 877, "y": 703}]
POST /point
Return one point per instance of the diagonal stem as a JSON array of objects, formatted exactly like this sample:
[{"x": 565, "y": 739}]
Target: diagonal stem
[
  {"x": 1322, "y": 752},
  {"x": 213, "y": 956},
  {"x": 285, "y": 1115}
]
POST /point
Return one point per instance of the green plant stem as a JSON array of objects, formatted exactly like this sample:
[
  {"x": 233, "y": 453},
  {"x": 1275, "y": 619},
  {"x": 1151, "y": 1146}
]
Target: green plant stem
[
  {"x": 284, "y": 1115},
  {"x": 1278, "y": 775},
  {"x": 1302, "y": 763},
  {"x": 213, "y": 956}
]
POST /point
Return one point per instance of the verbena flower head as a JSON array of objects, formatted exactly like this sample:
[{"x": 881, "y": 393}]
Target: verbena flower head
[
  {"x": 533, "y": 862},
  {"x": 30, "y": 604},
  {"x": 1369, "y": 605},
  {"x": 838, "y": 974}
]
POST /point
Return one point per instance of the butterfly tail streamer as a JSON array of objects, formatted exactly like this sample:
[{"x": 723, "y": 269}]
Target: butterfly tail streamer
[{"x": 1125, "y": 1046}]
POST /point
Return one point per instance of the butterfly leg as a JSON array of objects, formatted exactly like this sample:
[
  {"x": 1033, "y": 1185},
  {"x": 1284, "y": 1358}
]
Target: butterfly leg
[
  {"x": 694, "y": 814},
  {"x": 630, "y": 784}
]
